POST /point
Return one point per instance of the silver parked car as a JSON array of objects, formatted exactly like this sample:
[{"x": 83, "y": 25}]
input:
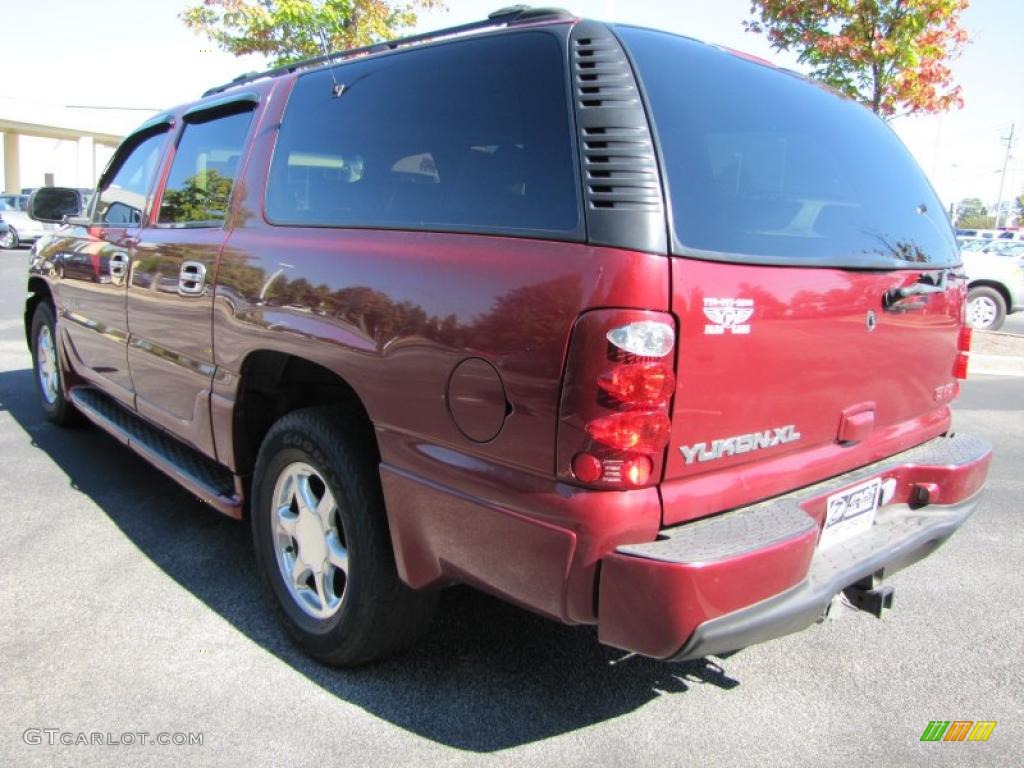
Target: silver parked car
[
  {"x": 20, "y": 228},
  {"x": 996, "y": 286}
]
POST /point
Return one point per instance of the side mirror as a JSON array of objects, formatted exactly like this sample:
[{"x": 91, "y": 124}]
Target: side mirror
[{"x": 52, "y": 204}]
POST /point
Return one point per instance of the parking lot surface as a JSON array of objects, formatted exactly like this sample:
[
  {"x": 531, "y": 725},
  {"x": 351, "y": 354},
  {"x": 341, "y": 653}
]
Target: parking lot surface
[{"x": 127, "y": 606}]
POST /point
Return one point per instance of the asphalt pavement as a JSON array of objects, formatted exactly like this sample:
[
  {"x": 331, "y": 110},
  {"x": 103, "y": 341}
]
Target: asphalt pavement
[{"x": 129, "y": 607}]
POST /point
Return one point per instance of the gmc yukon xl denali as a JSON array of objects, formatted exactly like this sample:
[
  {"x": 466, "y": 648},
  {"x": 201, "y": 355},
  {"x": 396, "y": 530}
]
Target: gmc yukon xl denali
[{"x": 624, "y": 328}]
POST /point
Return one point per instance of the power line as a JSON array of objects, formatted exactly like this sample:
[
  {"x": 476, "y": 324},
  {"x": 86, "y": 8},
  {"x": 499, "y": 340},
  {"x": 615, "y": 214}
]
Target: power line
[{"x": 1008, "y": 140}]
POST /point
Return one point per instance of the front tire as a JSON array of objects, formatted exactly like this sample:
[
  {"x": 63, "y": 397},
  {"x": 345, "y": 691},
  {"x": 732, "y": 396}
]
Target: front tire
[
  {"x": 48, "y": 375},
  {"x": 322, "y": 543},
  {"x": 986, "y": 308},
  {"x": 9, "y": 239}
]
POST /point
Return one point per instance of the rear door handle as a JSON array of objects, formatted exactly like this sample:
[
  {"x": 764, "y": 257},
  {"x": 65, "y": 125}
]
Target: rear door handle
[
  {"x": 118, "y": 267},
  {"x": 192, "y": 278}
]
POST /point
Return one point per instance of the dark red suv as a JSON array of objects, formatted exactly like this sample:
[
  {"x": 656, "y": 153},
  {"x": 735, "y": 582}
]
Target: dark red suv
[{"x": 619, "y": 326}]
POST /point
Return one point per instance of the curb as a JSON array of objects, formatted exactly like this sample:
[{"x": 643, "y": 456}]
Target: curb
[{"x": 995, "y": 365}]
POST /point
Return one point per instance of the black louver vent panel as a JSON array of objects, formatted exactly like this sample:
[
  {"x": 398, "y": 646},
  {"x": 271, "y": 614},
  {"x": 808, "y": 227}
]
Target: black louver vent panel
[
  {"x": 603, "y": 75},
  {"x": 620, "y": 170}
]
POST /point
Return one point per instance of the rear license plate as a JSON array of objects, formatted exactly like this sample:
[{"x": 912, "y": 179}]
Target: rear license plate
[{"x": 850, "y": 512}]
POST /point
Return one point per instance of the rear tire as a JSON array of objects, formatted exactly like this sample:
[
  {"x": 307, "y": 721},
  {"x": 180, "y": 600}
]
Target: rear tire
[
  {"x": 322, "y": 543},
  {"x": 46, "y": 369},
  {"x": 986, "y": 308},
  {"x": 9, "y": 240}
]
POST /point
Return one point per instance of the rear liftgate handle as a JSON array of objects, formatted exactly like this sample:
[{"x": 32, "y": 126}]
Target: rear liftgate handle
[{"x": 926, "y": 284}]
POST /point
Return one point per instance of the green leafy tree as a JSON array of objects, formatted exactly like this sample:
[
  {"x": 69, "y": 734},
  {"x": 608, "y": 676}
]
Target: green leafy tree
[
  {"x": 288, "y": 30},
  {"x": 976, "y": 222},
  {"x": 970, "y": 207},
  {"x": 203, "y": 197},
  {"x": 891, "y": 55}
]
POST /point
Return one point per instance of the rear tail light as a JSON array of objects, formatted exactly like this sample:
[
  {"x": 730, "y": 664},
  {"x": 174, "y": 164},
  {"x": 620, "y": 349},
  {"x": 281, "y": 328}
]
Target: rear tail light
[
  {"x": 646, "y": 338},
  {"x": 640, "y": 383},
  {"x": 963, "y": 343},
  {"x": 644, "y": 431},
  {"x": 960, "y": 366},
  {"x": 614, "y": 420},
  {"x": 963, "y": 346}
]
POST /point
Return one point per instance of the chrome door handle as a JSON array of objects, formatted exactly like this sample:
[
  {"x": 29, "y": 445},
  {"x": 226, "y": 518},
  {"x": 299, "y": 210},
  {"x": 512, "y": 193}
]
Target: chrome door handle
[
  {"x": 118, "y": 267},
  {"x": 192, "y": 278}
]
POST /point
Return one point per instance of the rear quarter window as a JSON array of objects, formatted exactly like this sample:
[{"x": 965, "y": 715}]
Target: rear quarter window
[
  {"x": 764, "y": 166},
  {"x": 471, "y": 136}
]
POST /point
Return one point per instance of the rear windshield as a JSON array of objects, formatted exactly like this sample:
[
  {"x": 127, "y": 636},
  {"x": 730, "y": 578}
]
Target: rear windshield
[{"x": 766, "y": 167}]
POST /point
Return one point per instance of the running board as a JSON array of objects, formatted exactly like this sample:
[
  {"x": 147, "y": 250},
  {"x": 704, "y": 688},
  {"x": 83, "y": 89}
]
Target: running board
[{"x": 207, "y": 479}]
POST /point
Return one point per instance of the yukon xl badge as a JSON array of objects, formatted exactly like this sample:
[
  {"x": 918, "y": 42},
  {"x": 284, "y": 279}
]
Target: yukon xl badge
[
  {"x": 728, "y": 316},
  {"x": 733, "y": 446}
]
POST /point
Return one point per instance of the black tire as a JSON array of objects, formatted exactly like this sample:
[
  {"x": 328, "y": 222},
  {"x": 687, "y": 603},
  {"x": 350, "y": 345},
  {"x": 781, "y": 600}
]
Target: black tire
[
  {"x": 9, "y": 240},
  {"x": 55, "y": 405},
  {"x": 986, "y": 308},
  {"x": 378, "y": 613}
]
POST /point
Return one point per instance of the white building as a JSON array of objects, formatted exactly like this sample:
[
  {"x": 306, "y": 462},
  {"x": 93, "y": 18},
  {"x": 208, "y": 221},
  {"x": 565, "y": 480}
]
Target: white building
[{"x": 46, "y": 145}]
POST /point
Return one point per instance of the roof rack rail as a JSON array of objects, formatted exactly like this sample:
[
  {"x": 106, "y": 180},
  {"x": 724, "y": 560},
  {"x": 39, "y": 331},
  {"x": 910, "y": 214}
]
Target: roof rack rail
[{"x": 504, "y": 17}]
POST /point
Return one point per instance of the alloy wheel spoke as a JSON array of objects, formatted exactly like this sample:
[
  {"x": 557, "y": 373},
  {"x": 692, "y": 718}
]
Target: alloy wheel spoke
[
  {"x": 325, "y": 509},
  {"x": 304, "y": 495},
  {"x": 299, "y": 570},
  {"x": 337, "y": 555},
  {"x": 286, "y": 521},
  {"x": 321, "y": 590}
]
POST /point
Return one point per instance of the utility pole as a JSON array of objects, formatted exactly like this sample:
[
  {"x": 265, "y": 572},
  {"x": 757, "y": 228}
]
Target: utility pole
[{"x": 1008, "y": 140}]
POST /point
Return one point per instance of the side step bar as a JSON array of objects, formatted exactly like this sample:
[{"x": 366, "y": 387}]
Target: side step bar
[{"x": 211, "y": 482}]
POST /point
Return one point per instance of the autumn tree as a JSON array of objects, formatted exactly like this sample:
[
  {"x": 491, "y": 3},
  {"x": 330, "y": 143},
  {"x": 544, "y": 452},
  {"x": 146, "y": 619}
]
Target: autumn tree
[
  {"x": 892, "y": 55},
  {"x": 288, "y": 30}
]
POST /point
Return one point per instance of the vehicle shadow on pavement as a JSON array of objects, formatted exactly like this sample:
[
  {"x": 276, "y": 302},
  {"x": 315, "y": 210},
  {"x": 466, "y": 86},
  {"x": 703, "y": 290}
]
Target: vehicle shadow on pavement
[{"x": 487, "y": 676}]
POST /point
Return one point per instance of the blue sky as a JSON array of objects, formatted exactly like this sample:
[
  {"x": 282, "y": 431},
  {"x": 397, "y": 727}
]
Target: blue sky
[{"x": 128, "y": 53}]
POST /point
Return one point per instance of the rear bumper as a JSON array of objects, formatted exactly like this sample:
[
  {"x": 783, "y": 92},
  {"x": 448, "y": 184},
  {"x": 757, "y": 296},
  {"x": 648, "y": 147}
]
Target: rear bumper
[{"x": 754, "y": 574}]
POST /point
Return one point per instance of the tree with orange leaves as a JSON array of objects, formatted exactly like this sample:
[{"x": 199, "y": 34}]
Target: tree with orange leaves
[{"x": 892, "y": 55}]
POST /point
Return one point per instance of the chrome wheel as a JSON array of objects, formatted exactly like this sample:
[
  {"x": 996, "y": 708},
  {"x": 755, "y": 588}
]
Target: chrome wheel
[
  {"x": 982, "y": 312},
  {"x": 309, "y": 541},
  {"x": 9, "y": 239},
  {"x": 46, "y": 365}
]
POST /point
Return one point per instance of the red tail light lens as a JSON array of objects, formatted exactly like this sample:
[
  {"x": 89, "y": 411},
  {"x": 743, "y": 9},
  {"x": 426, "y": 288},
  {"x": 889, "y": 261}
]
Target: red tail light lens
[
  {"x": 960, "y": 366},
  {"x": 644, "y": 431},
  {"x": 587, "y": 467},
  {"x": 963, "y": 342},
  {"x": 648, "y": 384}
]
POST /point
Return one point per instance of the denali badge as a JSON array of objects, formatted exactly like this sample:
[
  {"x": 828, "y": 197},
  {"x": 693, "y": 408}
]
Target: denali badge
[
  {"x": 732, "y": 446},
  {"x": 728, "y": 315}
]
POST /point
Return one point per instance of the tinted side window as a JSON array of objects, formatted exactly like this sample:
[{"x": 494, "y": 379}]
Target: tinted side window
[
  {"x": 203, "y": 173},
  {"x": 123, "y": 199},
  {"x": 472, "y": 135},
  {"x": 764, "y": 166}
]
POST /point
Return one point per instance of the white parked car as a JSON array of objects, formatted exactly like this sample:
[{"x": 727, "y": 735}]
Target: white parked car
[
  {"x": 996, "y": 286},
  {"x": 20, "y": 228}
]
